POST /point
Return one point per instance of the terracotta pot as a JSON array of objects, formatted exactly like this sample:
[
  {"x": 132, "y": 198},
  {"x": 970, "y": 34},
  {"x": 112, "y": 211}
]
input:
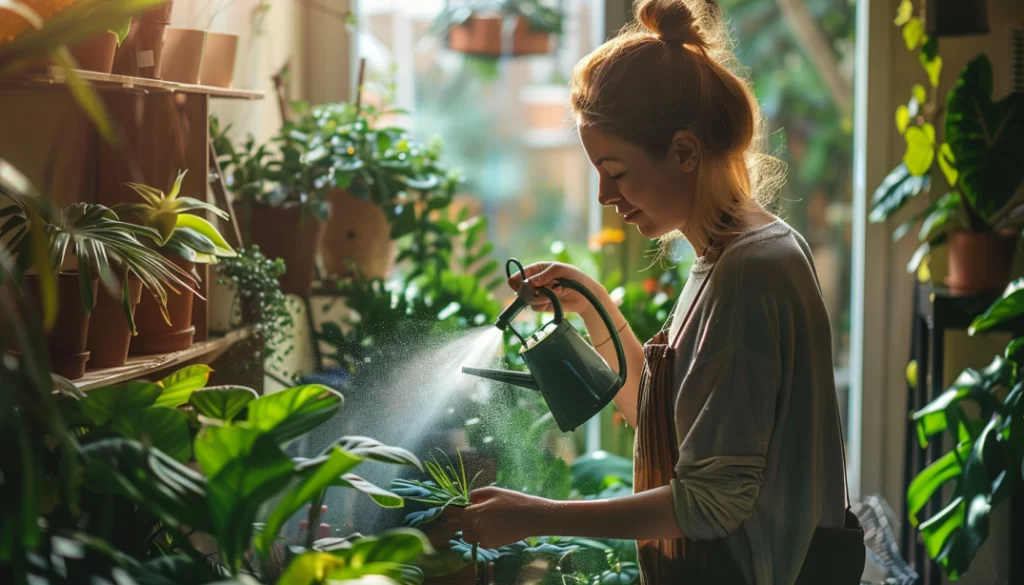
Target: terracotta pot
[
  {"x": 979, "y": 262},
  {"x": 66, "y": 343},
  {"x": 219, "y": 59},
  {"x": 96, "y": 53},
  {"x": 183, "y": 55},
  {"x": 358, "y": 233},
  {"x": 481, "y": 35},
  {"x": 154, "y": 334},
  {"x": 109, "y": 334},
  {"x": 141, "y": 53},
  {"x": 289, "y": 234}
]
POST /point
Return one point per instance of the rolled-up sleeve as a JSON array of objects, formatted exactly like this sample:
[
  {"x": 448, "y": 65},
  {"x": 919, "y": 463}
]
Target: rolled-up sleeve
[{"x": 724, "y": 414}]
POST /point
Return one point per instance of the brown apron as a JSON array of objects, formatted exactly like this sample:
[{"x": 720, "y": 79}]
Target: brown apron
[{"x": 835, "y": 556}]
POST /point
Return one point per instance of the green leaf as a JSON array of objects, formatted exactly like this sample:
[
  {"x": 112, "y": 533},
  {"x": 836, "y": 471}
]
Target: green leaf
[
  {"x": 314, "y": 477},
  {"x": 902, "y": 118},
  {"x": 912, "y": 374},
  {"x": 919, "y": 93},
  {"x": 374, "y": 450},
  {"x": 122, "y": 31},
  {"x": 920, "y": 151},
  {"x": 986, "y": 138},
  {"x": 381, "y": 496},
  {"x": 1007, "y": 307},
  {"x": 913, "y": 33},
  {"x": 898, "y": 187},
  {"x": 937, "y": 530},
  {"x": 171, "y": 491},
  {"x": 979, "y": 386},
  {"x": 388, "y": 554},
  {"x": 947, "y": 162},
  {"x": 205, "y": 228},
  {"x": 290, "y": 413},
  {"x": 590, "y": 472},
  {"x": 932, "y": 478},
  {"x": 178, "y": 387},
  {"x": 165, "y": 429},
  {"x": 104, "y": 405},
  {"x": 249, "y": 469},
  {"x": 904, "y": 13},
  {"x": 1013, "y": 348},
  {"x": 944, "y": 217},
  {"x": 222, "y": 402},
  {"x": 932, "y": 66}
]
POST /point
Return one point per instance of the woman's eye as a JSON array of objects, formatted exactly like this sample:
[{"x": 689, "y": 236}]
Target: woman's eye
[{"x": 617, "y": 177}]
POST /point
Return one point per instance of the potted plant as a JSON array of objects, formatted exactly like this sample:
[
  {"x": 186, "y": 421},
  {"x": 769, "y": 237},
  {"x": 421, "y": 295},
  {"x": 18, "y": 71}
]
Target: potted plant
[
  {"x": 141, "y": 53},
  {"x": 104, "y": 249},
  {"x": 184, "y": 239},
  {"x": 493, "y": 28},
  {"x": 979, "y": 215},
  {"x": 279, "y": 198}
]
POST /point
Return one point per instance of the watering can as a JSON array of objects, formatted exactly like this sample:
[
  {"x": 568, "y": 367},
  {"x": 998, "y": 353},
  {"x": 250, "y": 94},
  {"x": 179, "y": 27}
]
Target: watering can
[{"x": 573, "y": 378}]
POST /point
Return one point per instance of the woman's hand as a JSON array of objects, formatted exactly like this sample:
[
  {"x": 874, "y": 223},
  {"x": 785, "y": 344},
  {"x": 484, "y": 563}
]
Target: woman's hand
[
  {"x": 497, "y": 517},
  {"x": 544, "y": 275}
]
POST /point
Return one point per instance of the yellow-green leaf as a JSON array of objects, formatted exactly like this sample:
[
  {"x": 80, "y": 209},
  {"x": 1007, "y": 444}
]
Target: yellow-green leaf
[
  {"x": 41, "y": 259},
  {"x": 206, "y": 228},
  {"x": 902, "y": 118},
  {"x": 919, "y": 93},
  {"x": 912, "y": 373},
  {"x": 947, "y": 162},
  {"x": 177, "y": 185},
  {"x": 933, "y": 68},
  {"x": 904, "y": 13},
  {"x": 913, "y": 33},
  {"x": 920, "y": 151},
  {"x": 163, "y": 222}
]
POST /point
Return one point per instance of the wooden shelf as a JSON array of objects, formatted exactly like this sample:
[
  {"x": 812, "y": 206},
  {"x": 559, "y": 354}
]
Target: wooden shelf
[
  {"x": 111, "y": 82},
  {"x": 148, "y": 365}
]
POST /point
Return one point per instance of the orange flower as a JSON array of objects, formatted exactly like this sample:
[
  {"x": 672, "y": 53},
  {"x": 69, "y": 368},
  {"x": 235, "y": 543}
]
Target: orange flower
[
  {"x": 606, "y": 236},
  {"x": 650, "y": 285}
]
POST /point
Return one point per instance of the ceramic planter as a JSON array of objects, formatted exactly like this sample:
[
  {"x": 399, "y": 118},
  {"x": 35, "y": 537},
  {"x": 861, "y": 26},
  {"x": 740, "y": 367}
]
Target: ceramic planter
[
  {"x": 219, "y": 58},
  {"x": 141, "y": 53},
  {"x": 979, "y": 262},
  {"x": 289, "y": 234},
  {"x": 154, "y": 334},
  {"x": 109, "y": 333},
  {"x": 66, "y": 343},
  {"x": 481, "y": 35},
  {"x": 183, "y": 55},
  {"x": 96, "y": 53},
  {"x": 357, "y": 233}
]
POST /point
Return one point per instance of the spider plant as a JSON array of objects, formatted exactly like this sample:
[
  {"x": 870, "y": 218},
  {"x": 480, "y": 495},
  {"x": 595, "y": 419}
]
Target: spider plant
[
  {"x": 100, "y": 242},
  {"x": 180, "y": 233}
]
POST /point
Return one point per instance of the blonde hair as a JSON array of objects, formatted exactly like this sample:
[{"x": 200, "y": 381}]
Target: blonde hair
[{"x": 674, "y": 69}]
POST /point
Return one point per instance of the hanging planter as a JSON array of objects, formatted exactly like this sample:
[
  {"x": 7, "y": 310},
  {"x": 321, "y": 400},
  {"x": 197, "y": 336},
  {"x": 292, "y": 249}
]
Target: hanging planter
[
  {"x": 357, "y": 235},
  {"x": 141, "y": 53},
  {"x": 495, "y": 28}
]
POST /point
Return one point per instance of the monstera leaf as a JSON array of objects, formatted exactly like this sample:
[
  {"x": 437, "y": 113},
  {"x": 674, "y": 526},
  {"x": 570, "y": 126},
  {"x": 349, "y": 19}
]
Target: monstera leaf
[
  {"x": 897, "y": 188},
  {"x": 1006, "y": 308},
  {"x": 986, "y": 138}
]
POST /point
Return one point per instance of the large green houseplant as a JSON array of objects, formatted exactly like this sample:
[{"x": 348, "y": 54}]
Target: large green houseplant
[
  {"x": 186, "y": 240},
  {"x": 977, "y": 211},
  {"x": 982, "y": 414}
]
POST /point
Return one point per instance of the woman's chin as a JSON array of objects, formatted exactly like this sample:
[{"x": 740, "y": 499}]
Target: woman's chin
[{"x": 651, "y": 230}]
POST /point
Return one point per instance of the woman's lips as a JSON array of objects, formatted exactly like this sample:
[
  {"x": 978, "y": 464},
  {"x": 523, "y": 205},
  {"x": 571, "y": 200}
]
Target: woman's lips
[{"x": 630, "y": 214}]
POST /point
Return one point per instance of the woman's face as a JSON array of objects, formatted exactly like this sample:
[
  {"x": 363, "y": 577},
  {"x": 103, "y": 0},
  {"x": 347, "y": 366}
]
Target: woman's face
[{"x": 655, "y": 195}]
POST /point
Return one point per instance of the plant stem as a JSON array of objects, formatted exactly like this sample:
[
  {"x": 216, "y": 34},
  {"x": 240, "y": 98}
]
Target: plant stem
[{"x": 313, "y": 518}]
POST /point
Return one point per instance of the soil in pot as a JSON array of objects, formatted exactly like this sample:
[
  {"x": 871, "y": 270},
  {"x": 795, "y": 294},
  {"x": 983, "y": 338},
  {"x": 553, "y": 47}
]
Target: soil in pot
[
  {"x": 141, "y": 53},
  {"x": 109, "y": 331},
  {"x": 979, "y": 262},
  {"x": 183, "y": 55},
  {"x": 482, "y": 35},
  {"x": 219, "y": 59},
  {"x": 358, "y": 233},
  {"x": 154, "y": 334},
  {"x": 66, "y": 343},
  {"x": 289, "y": 234},
  {"x": 96, "y": 53}
]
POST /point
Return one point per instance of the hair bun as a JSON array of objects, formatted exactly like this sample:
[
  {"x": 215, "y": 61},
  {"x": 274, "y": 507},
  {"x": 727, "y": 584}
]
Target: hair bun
[{"x": 671, "y": 20}]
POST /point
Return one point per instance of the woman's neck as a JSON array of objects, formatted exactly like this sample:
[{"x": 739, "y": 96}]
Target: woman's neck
[{"x": 711, "y": 245}]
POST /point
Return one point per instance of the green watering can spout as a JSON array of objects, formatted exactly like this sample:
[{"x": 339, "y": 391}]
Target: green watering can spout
[
  {"x": 573, "y": 378},
  {"x": 522, "y": 379}
]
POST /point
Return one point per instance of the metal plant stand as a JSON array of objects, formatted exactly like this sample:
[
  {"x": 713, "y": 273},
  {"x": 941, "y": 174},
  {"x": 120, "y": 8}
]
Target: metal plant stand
[{"x": 936, "y": 311}]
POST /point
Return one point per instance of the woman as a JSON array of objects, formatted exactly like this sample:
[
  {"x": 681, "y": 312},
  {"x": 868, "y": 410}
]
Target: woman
[{"x": 739, "y": 465}]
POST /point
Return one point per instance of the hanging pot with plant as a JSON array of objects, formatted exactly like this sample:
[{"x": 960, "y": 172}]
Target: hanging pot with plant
[
  {"x": 102, "y": 246},
  {"x": 494, "y": 28},
  {"x": 185, "y": 240},
  {"x": 981, "y": 214},
  {"x": 141, "y": 53}
]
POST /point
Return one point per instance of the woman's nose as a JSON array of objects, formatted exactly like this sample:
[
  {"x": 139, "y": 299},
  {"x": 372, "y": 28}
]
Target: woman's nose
[{"x": 607, "y": 194}]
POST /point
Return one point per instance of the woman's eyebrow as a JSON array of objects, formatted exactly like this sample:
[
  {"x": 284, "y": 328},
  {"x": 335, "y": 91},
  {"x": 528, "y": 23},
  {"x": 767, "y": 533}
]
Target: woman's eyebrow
[{"x": 606, "y": 158}]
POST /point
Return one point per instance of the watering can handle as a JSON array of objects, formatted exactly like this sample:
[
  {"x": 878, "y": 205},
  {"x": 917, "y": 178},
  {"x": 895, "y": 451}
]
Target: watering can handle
[
  {"x": 620, "y": 353},
  {"x": 524, "y": 296}
]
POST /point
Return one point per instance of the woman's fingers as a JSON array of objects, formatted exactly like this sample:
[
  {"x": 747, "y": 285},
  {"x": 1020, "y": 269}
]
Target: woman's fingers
[{"x": 516, "y": 279}]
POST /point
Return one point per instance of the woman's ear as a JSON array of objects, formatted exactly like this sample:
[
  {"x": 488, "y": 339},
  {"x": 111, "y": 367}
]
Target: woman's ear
[{"x": 686, "y": 150}]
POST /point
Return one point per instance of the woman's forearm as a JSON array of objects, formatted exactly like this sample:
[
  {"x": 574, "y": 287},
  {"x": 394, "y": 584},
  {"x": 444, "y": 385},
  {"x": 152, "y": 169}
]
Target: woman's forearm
[
  {"x": 626, "y": 398},
  {"x": 646, "y": 516}
]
